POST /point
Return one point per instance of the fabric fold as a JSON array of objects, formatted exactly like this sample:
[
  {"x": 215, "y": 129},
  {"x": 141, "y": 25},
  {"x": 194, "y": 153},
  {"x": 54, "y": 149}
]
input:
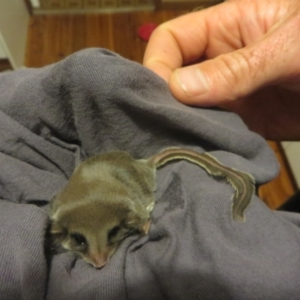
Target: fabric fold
[{"x": 95, "y": 101}]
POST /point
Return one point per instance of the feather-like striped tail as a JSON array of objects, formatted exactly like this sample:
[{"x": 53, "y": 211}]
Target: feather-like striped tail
[{"x": 242, "y": 183}]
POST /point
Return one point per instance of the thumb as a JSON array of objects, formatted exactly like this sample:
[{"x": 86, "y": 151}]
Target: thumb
[{"x": 233, "y": 75}]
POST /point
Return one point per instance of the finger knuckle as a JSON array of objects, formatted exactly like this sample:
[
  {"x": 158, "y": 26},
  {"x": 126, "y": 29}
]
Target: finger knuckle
[{"x": 233, "y": 68}]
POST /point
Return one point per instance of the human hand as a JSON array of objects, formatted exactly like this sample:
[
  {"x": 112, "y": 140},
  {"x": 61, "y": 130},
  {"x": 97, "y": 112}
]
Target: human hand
[{"x": 249, "y": 51}]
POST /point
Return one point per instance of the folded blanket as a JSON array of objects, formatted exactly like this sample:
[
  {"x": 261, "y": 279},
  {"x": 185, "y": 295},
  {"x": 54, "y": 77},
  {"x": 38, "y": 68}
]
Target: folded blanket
[{"x": 95, "y": 101}]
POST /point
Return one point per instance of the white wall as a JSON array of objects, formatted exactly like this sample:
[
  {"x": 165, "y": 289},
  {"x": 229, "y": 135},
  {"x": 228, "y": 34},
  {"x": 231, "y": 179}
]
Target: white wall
[
  {"x": 35, "y": 3},
  {"x": 2, "y": 50},
  {"x": 13, "y": 30}
]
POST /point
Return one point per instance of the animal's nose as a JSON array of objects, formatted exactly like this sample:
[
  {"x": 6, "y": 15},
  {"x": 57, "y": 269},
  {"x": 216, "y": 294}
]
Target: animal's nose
[{"x": 99, "y": 260}]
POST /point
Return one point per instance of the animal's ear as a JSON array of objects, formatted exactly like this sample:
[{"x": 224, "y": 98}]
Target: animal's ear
[
  {"x": 137, "y": 221},
  {"x": 56, "y": 229},
  {"x": 53, "y": 239}
]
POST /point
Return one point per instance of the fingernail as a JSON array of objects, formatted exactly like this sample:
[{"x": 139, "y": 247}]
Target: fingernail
[{"x": 192, "y": 81}]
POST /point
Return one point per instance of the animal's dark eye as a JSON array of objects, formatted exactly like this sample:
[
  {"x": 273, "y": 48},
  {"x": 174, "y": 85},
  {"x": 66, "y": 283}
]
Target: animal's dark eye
[
  {"x": 78, "y": 238},
  {"x": 113, "y": 232}
]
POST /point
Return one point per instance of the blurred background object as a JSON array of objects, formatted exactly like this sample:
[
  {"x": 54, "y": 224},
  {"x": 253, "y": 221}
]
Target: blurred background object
[{"x": 88, "y": 6}]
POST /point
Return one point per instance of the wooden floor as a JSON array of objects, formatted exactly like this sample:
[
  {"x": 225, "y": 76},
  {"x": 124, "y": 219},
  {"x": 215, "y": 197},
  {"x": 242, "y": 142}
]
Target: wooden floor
[{"x": 51, "y": 38}]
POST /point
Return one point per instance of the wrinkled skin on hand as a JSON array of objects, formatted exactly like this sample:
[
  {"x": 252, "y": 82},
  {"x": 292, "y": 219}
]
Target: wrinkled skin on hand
[{"x": 242, "y": 55}]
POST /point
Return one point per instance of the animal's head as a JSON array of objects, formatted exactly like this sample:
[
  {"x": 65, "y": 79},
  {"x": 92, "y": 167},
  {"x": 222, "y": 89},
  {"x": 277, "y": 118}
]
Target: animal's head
[{"x": 93, "y": 230}]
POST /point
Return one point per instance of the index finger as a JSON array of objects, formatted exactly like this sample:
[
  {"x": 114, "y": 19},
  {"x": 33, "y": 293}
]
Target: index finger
[{"x": 176, "y": 42}]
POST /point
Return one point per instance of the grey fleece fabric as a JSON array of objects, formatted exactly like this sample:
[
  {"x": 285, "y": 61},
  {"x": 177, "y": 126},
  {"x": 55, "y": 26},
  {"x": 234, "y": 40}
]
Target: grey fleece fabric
[{"x": 96, "y": 101}]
